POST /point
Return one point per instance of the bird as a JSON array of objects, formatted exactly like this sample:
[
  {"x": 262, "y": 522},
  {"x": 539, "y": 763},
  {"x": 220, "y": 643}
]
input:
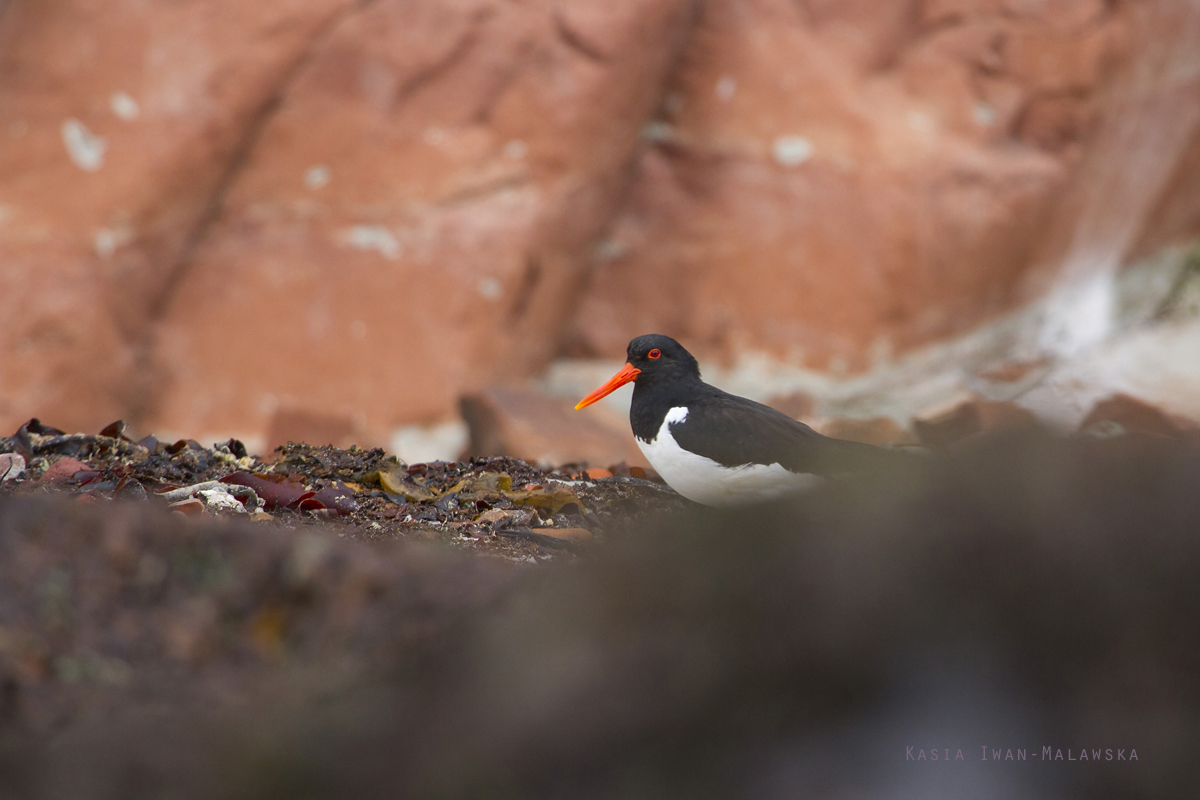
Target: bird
[{"x": 719, "y": 449}]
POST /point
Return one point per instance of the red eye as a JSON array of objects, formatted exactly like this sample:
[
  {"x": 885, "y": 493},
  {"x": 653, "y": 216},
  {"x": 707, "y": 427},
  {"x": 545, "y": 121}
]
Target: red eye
[{"x": 655, "y": 353}]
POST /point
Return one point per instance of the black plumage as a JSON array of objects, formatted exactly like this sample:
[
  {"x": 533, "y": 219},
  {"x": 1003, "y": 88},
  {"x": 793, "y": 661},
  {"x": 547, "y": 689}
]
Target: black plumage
[{"x": 729, "y": 429}]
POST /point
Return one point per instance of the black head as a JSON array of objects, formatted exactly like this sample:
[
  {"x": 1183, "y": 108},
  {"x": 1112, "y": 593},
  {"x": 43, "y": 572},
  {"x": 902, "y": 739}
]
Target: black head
[
  {"x": 660, "y": 357},
  {"x": 652, "y": 360}
]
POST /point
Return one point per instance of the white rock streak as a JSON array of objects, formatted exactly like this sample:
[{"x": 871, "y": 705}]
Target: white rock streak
[
  {"x": 84, "y": 147},
  {"x": 373, "y": 237},
  {"x": 791, "y": 151},
  {"x": 124, "y": 106}
]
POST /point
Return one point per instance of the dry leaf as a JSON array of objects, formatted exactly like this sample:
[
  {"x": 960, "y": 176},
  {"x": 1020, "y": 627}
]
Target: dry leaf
[
  {"x": 274, "y": 493},
  {"x": 482, "y": 486},
  {"x": 554, "y": 498},
  {"x": 396, "y": 481}
]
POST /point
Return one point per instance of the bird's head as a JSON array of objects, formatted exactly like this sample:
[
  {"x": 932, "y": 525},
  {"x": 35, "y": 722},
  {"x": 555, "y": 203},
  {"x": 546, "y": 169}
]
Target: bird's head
[{"x": 649, "y": 358}]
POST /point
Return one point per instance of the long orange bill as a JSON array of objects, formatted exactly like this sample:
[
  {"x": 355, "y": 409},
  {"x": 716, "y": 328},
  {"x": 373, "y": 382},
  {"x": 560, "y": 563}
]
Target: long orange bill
[{"x": 628, "y": 373}]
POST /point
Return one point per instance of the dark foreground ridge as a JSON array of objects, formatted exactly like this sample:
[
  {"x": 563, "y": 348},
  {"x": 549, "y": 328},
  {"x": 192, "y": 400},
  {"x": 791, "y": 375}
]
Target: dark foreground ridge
[{"x": 1022, "y": 593}]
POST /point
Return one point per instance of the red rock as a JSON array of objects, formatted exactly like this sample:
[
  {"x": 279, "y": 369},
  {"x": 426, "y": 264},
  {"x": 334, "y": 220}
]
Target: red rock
[
  {"x": 950, "y": 423},
  {"x": 878, "y": 431},
  {"x": 1055, "y": 123},
  {"x": 1056, "y": 61},
  {"x": 595, "y": 473},
  {"x": 524, "y": 423},
  {"x": 367, "y": 210},
  {"x": 1134, "y": 415},
  {"x": 1150, "y": 45},
  {"x": 121, "y": 122},
  {"x": 913, "y": 207},
  {"x": 416, "y": 216},
  {"x": 63, "y": 470}
]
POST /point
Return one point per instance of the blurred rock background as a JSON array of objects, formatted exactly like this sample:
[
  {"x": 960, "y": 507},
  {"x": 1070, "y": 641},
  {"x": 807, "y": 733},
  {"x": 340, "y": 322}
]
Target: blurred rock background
[{"x": 340, "y": 221}]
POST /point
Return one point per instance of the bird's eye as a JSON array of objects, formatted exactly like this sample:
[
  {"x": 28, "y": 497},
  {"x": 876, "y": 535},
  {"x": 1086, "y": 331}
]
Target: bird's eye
[{"x": 655, "y": 353}]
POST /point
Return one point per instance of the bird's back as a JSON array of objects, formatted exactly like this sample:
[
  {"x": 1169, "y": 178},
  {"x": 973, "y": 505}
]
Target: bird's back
[{"x": 734, "y": 430}]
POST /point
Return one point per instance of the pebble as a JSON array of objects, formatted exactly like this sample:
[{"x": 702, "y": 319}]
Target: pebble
[{"x": 12, "y": 466}]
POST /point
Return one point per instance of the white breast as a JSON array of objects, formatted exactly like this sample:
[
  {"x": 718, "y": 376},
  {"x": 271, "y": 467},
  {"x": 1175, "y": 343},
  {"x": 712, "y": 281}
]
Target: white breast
[{"x": 704, "y": 481}]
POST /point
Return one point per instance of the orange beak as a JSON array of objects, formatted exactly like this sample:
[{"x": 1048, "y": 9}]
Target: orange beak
[{"x": 628, "y": 373}]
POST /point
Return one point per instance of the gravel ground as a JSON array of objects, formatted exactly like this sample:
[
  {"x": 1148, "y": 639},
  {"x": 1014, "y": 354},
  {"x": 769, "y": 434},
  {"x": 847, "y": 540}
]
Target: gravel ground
[{"x": 499, "y": 506}]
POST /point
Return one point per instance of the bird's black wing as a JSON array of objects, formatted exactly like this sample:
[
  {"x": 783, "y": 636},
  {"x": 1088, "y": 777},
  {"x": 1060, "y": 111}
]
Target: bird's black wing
[{"x": 732, "y": 431}]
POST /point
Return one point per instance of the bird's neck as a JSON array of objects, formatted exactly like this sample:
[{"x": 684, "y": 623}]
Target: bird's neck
[{"x": 652, "y": 399}]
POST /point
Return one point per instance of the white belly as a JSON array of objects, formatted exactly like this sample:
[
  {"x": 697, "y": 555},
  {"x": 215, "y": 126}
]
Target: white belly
[{"x": 702, "y": 480}]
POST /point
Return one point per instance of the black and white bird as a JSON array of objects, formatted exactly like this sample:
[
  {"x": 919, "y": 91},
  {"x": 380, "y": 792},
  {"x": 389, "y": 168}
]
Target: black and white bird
[{"x": 719, "y": 449}]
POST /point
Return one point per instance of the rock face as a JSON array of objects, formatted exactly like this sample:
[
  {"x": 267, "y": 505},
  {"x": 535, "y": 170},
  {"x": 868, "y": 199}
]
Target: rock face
[
  {"x": 122, "y": 126},
  {"x": 837, "y": 182},
  {"x": 217, "y": 217},
  {"x": 411, "y": 222},
  {"x": 211, "y": 211}
]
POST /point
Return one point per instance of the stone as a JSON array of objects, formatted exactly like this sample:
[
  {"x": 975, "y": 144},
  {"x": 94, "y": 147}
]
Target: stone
[
  {"x": 878, "y": 431},
  {"x": 958, "y": 419},
  {"x": 524, "y": 423},
  {"x": 1131, "y": 415},
  {"x": 63, "y": 470},
  {"x": 12, "y": 466}
]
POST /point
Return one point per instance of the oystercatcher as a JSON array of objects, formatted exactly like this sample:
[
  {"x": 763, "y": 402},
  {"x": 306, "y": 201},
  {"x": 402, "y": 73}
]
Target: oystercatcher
[{"x": 719, "y": 449}]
